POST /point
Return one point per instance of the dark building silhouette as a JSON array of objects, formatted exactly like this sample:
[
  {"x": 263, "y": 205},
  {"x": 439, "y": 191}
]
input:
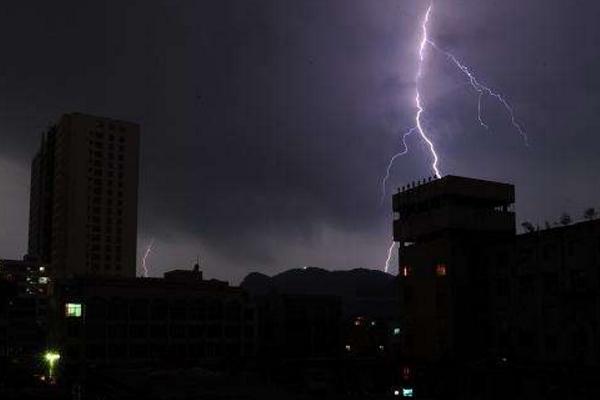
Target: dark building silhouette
[
  {"x": 83, "y": 202},
  {"x": 299, "y": 326},
  {"x": 41, "y": 199},
  {"x": 486, "y": 311},
  {"x": 180, "y": 319},
  {"x": 443, "y": 228},
  {"x": 551, "y": 294},
  {"x": 23, "y": 309}
]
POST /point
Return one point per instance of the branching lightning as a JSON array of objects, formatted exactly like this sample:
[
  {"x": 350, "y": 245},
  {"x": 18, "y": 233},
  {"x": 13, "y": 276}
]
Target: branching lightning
[
  {"x": 391, "y": 163},
  {"x": 481, "y": 90},
  {"x": 145, "y": 258},
  {"x": 418, "y": 116}
]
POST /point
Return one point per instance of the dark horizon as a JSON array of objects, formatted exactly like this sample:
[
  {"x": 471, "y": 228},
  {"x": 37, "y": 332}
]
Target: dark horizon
[{"x": 266, "y": 127}]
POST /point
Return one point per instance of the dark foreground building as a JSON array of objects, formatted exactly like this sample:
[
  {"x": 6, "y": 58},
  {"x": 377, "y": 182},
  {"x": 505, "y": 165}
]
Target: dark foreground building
[
  {"x": 488, "y": 312},
  {"x": 181, "y": 320},
  {"x": 23, "y": 308}
]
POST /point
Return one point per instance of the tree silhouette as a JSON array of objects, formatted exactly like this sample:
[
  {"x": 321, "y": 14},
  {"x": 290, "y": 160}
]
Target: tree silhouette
[
  {"x": 590, "y": 214},
  {"x": 528, "y": 226},
  {"x": 565, "y": 219}
]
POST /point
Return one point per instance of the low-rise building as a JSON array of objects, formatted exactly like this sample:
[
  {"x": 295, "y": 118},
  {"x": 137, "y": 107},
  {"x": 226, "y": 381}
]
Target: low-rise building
[
  {"x": 180, "y": 319},
  {"x": 23, "y": 312}
]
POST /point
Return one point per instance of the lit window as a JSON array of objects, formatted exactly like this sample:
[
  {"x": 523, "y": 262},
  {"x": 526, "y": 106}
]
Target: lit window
[
  {"x": 73, "y": 310},
  {"x": 407, "y": 392},
  {"x": 396, "y": 331},
  {"x": 406, "y": 270},
  {"x": 441, "y": 270},
  {"x": 348, "y": 347}
]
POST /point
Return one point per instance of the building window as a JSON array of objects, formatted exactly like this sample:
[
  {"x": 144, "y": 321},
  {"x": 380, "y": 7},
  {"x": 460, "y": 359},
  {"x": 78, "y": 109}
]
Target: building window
[
  {"x": 406, "y": 270},
  {"x": 73, "y": 310},
  {"x": 441, "y": 270}
]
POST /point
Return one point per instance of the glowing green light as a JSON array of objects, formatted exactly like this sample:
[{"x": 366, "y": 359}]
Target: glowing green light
[{"x": 73, "y": 310}]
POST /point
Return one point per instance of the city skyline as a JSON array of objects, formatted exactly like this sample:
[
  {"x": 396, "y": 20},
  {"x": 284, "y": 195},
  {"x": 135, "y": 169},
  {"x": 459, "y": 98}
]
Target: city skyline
[{"x": 264, "y": 136}]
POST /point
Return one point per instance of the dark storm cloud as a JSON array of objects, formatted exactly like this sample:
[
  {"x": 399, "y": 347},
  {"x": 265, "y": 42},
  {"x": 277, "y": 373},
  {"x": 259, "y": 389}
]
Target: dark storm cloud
[{"x": 267, "y": 124}]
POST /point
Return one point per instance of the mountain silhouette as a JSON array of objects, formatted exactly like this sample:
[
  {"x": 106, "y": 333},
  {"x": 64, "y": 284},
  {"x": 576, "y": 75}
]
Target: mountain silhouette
[{"x": 362, "y": 291}]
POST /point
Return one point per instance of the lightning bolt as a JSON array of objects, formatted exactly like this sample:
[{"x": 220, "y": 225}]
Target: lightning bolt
[
  {"x": 481, "y": 90},
  {"x": 420, "y": 108},
  {"x": 418, "y": 127},
  {"x": 145, "y": 257},
  {"x": 389, "y": 257},
  {"x": 391, "y": 163}
]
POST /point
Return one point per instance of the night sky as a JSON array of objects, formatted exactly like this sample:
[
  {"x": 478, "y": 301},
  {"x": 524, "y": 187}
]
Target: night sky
[{"x": 267, "y": 125}]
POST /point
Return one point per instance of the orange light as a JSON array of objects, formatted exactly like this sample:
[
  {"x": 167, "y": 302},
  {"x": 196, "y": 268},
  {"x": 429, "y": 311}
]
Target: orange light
[{"x": 441, "y": 270}]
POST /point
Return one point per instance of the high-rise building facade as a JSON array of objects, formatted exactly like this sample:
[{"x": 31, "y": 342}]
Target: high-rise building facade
[{"x": 83, "y": 212}]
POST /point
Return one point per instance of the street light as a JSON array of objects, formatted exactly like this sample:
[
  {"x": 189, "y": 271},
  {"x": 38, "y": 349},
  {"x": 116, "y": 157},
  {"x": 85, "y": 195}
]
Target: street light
[{"x": 51, "y": 358}]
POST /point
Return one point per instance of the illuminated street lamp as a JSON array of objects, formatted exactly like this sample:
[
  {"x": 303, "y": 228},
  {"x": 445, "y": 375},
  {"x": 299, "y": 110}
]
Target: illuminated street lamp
[{"x": 51, "y": 358}]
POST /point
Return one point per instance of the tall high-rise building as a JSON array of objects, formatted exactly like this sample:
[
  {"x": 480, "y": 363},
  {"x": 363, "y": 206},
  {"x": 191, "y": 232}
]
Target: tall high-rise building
[{"x": 83, "y": 204}]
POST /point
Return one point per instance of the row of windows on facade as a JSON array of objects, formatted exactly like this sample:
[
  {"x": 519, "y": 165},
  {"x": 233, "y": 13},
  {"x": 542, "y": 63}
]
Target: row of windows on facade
[
  {"x": 97, "y": 229},
  {"x": 97, "y": 210},
  {"x": 95, "y": 219},
  {"x": 105, "y": 256},
  {"x": 97, "y": 200},
  {"x": 94, "y": 181},
  {"x": 98, "y": 142},
  {"x": 109, "y": 165},
  {"x": 98, "y": 172},
  {"x": 97, "y": 155},
  {"x": 106, "y": 235},
  {"x": 440, "y": 269},
  {"x": 96, "y": 188},
  {"x": 111, "y": 127},
  {"x": 94, "y": 248}
]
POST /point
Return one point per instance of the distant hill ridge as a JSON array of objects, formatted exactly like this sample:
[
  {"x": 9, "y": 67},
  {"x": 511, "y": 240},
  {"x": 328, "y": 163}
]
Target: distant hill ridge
[{"x": 362, "y": 291}]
